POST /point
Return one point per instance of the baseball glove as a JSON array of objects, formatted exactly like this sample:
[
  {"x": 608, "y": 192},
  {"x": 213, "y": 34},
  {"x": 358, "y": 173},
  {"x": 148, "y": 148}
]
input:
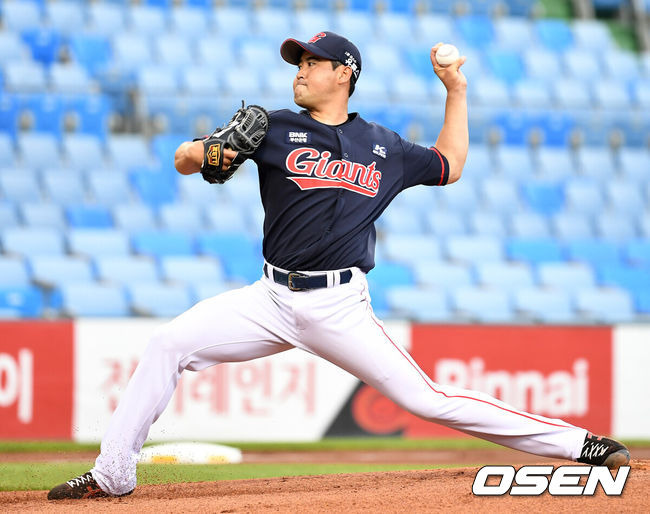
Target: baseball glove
[{"x": 243, "y": 134}]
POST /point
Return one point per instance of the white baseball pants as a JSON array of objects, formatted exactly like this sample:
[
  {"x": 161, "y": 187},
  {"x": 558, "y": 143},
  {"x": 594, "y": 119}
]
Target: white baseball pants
[{"x": 335, "y": 323}]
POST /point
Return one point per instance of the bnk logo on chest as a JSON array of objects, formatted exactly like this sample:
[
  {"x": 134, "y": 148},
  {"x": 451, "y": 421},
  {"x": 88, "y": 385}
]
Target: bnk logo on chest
[
  {"x": 295, "y": 136},
  {"x": 318, "y": 172}
]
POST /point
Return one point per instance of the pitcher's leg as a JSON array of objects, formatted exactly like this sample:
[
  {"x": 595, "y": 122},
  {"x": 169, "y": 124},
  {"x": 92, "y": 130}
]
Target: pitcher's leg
[
  {"x": 360, "y": 345},
  {"x": 226, "y": 328}
]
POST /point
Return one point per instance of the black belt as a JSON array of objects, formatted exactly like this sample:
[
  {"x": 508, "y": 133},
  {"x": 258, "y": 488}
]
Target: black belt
[{"x": 296, "y": 281}]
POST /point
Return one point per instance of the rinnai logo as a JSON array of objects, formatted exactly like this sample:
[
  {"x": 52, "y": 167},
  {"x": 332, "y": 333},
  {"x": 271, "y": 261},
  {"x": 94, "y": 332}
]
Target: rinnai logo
[
  {"x": 560, "y": 393},
  {"x": 564, "y": 481},
  {"x": 17, "y": 383},
  {"x": 322, "y": 173}
]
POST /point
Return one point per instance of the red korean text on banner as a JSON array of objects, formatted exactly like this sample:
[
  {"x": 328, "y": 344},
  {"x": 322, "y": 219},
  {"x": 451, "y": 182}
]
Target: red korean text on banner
[{"x": 36, "y": 380}]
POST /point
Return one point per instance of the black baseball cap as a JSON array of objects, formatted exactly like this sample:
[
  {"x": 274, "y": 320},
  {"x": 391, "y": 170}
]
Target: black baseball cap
[{"x": 327, "y": 45}]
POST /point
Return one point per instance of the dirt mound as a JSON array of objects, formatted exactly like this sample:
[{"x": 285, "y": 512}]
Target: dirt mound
[{"x": 448, "y": 490}]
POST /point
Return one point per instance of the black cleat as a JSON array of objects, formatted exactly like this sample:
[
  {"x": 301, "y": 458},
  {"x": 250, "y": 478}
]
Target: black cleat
[
  {"x": 600, "y": 451},
  {"x": 79, "y": 488}
]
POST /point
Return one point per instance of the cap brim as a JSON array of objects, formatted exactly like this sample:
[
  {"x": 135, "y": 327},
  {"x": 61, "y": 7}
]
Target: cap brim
[{"x": 291, "y": 51}]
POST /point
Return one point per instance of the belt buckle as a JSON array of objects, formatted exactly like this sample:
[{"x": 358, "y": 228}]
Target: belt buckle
[{"x": 291, "y": 276}]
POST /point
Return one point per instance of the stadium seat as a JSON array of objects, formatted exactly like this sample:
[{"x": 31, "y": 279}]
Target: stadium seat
[
  {"x": 637, "y": 252},
  {"x": 408, "y": 249},
  {"x": 105, "y": 18},
  {"x": 401, "y": 220},
  {"x": 568, "y": 226},
  {"x": 483, "y": 305},
  {"x": 162, "y": 243},
  {"x": 63, "y": 188},
  {"x": 605, "y": 305},
  {"x": 271, "y": 21},
  {"x": 632, "y": 279},
  {"x": 461, "y": 196},
  {"x": 230, "y": 21},
  {"x": 191, "y": 271},
  {"x": 21, "y": 302},
  {"x": 555, "y": 34},
  {"x": 146, "y": 19},
  {"x": 541, "y": 64},
  {"x": 157, "y": 80},
  {"x": 181, "y": 217},
  {"x": 611, "y": 94},
  {"x": 89, "y": 216},
  {"x": 188, "y": 22},
  {"x": 491, "y": 92},
  {"x": 473, "y": 249},
  {"x": 571, "y": 93},
  {"x": 109, "y": 188},
  {"x": 31, "y": 242},
  {"x": 534, "y": 251},
  {"x": 8, "y": 216},
  {"x": 48, "y": 154},
  {"x": 12, "y": 48},
  {"x": 444, "y": 223},
  {"x": 543, "y": 197},
  {"x": 584, "y": 196},
  {"x": 354, "y": 22},
  {"x": 92, "y": 112},
  {"x": 591, "y": 35},
  {"x": 487, "y": 223},
  {"x": 544, "y": 305},
  {"x": 93, "y": 300},
  {"x": 501, "y": 195},
  {"x": 131, "y": 52},
  {"x": 20, "y": 185},
  {"x": 423, "y": 305},
  {"x": 98, "y": 242},
  {"x": 65, "y": 16},
  {"x": 82, "y": 151},
  {"x": 42, "y": 215},
  {"x": 506, "y": 65},
  {"x": 127, "y": 151},
  {"x": 624, "y": 197},
  {"x": 528, "y": 225},
  {"x": 566, "y": 276},
  {"x": 54, "y": 271},
  {"x": 596, "y": 252},
  {"x": 532, "y": 93},
  {"x": 92, "y": 51},
  {"x": 479, "y": 162},
  {"x": 621, "y": 65},
  {"x": 596, "y": 163},
  {"x": 13, "y": 272},
  {"x": 634, "y": 163},
  {"x": 513, "y": 32},
  {"x": 125, "y": 269},
  {"x": 505, "y": 276},
  {"x": 583, "y": 65},
  {"x": 395, "y": 27},
  {"x": 159, "y": 300},
  {"x": 476, "y": 30},
  {"x": 442, "y": 275},
  {"x": 174, "y": 52},
  {"x": 514, "y": 161},
  {"x": 19, "y": 16},
  {"x": 134, "y": 218},
  {"x": 24, "y": 77}
]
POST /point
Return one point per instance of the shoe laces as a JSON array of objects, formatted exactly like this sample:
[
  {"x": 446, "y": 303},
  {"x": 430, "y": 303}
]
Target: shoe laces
[{"x": 86, "y": 478}]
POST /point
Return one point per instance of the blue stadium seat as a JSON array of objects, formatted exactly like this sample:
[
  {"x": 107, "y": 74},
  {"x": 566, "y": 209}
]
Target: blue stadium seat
[
  {"x": 42, "y": 215},
  {"x": 188, "y": 21},
  {"x": 612, "y": 94},
  {"x": 54, "y": 271},
  {"x": 622, "y": 65},
  {"x": 555, "y": 34},
  {"x": 584, "y": 196},
  {"x": 638, "y": 252},
  {"x": 424, "y": 305},
  {"x": 479, "y": 163},
  {"x": 89, "y": 216},
  {"x": 402, "y": 220},
  {"x": 105, "y": 18},
  {"x": 442, "y": 275},
  {"x": 461, "y": 195},
  {"x": 566, "y": 276},
  {"x": 491, "y": 92},
  {"x": 476, "y": 30},
  {"x": 534, "y": 250},
  {"x": 65, "y": 16},
  {"x": 19, "y": 16},
  {"x": 543, "y": 197},
  {"x": 386, "y": 275},
  {"x": 230, "y": 21},
  {"x": 24, "y": 77},
  {"x": 514, "y": 161},
  {"x": 161, "y": 243},
  {"x": 605, "y": 305},
  {"x": 157, "y": 80},
  {"x": 354, "y": 22},
  {"x": 529, "y": 226},
  {"x": 12, "y": 48},
  {"x": 380, "y": 58},
  {"x": 134, "y": 218},
  {"x": 634, "y": 163},
  {"x": 131, "y": 52},
  {"x": 514, "y": 126},
  {"x": 625, "y": 197},
  {"x": 310, "y": 21},
  {"x": 505, "y": 276},
  {"x": 70, "y": 78},
  {"x": 127, "y": 151},
  {"x": 597, "y": 252},
  {"x": 544, "y": 305},
  {"x": 21, "y": 302},
  {"x": 8, "y": 216},
  {"x": 13, "y": 272},
  {"x": 428, "y": 24},
  {"x": 630, "y": 278},
  {"x": 62, "y": 187},
  {"x": 206, "y": 290},
  {"x": 45, "y": 44},
  {"x": 31, "y": 242},
  {"x": 93, "y": 300},
  {"x": 147, "y": 20},
  {"x": 82, "y": 151},
  {"x": 109, "y": 188},
  {"x": 583, "y": 64},
  {"x": 160, "y": 300},
  {"x": 501, "y": 195},
  {"x": 487, "y": 223},
  {"x": 20, "y": 185},
  {"x": 240, "y": 80},
  {"x": 596, "y": 162},
  {"x": 541, "y": 64},
  {"x": 191, "y": 271},
  {"x": 444, "y": 223},
  {"x": 174, "y": 52},
  {"x": 181, "y": 217},
  {"x": 395, "y": 27},
  {"x": 568, "y": 226},
  {"x": 410, "y": 89},
  {"x": 400, "y": 247},
  {"x": 92, "y": 113},
  {"x": 591, "y": 35},
  {"x": 48, "y": 154},
  {"x": 532, "y": 93},
  {"x": 483, "y": 305},
  {"x": 154, "y": 188},
  {"x": 91, "y": 242},
  {"x": 474, "y": 249},
  {"x": 506, "y": 65},
  {"x": 513, "y": 32},
  {"x": 224, "y": 219},
  {"x": 270, "y": 22},
  {"x": 125, "y": 269},
  {"x": 571, "y": 93}
]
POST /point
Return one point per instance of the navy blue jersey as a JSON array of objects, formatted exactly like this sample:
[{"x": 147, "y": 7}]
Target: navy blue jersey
[{"x": 324, "y": 186}]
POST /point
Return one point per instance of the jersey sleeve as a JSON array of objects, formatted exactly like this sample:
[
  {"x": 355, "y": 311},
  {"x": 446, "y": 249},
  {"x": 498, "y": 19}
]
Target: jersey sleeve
[{"x": 423, "y": 166}]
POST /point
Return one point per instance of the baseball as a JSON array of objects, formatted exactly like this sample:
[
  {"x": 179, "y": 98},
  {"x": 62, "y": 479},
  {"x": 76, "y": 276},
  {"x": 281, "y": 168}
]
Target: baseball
[{"x": 447, "y": 54}]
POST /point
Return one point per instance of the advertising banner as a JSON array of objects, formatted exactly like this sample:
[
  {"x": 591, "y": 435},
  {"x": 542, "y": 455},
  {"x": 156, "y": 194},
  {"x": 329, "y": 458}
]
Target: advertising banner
[
  {"x": 557, "y": 372},
  {"x": 36, "y": 386}
]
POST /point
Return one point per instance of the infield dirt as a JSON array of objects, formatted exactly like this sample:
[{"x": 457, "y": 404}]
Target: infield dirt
[{"x": 437, "y": 490}]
